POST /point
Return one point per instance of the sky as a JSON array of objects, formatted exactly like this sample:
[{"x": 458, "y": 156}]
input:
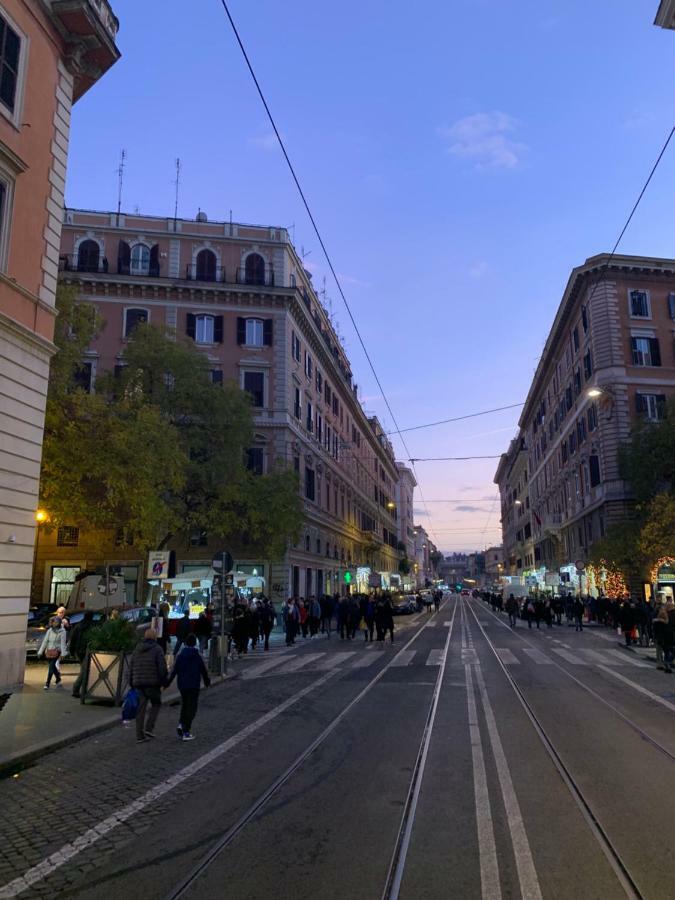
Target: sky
[{"x": 459, "y": 156}]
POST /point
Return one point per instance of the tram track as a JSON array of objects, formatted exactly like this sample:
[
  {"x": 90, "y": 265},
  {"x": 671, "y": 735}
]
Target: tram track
[
  {"x": 610, "y": 851},
  {"x": 227, "y": 837}
]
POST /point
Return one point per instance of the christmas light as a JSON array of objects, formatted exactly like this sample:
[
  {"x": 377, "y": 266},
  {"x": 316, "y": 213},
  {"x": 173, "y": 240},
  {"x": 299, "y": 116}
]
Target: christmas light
[
  {"x": 664, "y": 561},
  {"x": 608, "y": 578}
]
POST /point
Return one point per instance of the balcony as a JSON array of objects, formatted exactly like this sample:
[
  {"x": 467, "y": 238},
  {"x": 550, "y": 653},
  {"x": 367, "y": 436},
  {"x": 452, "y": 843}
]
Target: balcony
[
  {"x": 552, "y": 524},
  {"x": 261, "y": 279},
  {"x": 91, "y": 32},
  {"x": 74, "y": 262},
  {"x": 208, "y": 274}
]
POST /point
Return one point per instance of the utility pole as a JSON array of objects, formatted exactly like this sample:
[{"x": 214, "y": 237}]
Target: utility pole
[
  {"x": 177, "y": 184},
  {"x": 120, "y": 184}
]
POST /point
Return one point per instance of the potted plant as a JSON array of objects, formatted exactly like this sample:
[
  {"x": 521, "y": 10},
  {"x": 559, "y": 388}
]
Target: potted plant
[{"x": 109, "y": 649}]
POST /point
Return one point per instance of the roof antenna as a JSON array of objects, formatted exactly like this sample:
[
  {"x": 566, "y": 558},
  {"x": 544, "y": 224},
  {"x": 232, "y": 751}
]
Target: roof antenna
[
  {"x": 120, "y": 183},
  {"x": 177, "y": 183}
]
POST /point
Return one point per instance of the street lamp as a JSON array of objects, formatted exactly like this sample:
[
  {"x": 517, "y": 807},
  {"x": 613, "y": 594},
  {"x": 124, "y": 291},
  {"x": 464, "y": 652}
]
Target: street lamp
[
  {"x": 41, "y": 516},
  {"x": 518, "y": 502},
  {"x": 594, "y": 392}
]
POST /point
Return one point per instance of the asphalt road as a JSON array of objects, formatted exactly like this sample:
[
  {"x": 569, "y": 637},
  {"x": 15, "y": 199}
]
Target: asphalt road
[{"x": 466, "y": 761}]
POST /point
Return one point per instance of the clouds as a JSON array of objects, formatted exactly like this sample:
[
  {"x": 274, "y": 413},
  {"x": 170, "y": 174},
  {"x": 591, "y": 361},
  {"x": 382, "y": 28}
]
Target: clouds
[
  {"x": 266, "y": 141},
  {"x": 486, "y": 140},
  {"x": 468, "y": 509}
]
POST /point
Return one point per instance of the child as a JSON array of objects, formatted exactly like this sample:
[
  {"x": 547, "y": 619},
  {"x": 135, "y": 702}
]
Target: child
[{"x": 189, "y": 669}]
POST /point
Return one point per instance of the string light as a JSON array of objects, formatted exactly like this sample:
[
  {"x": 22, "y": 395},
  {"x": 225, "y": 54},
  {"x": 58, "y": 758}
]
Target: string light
[
  {"x": 664, "y": 561},
  {"x": 610, "y": 578}
]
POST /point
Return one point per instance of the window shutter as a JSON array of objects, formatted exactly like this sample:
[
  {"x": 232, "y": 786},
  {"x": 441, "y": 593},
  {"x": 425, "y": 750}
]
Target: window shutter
[
  {"x": 123, "y": 258},
  {"x": 241, "y": 330},
  {"x": 191, "y": 328},
  {"x": 640, "y": 405},
  {"x": 154, "y": 260},
  {"x": 594, "y": 470},
  {"x": 671, "y": 305},
  {"x": 655, "y": 351},
  {"x": 218, "y": 329},
  {"x": 267, "y": 332},
  {"x": 660, "y": 405}
]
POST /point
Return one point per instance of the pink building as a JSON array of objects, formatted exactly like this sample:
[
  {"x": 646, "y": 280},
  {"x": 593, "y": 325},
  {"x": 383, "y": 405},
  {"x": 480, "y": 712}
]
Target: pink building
[
  {"x": 241, "y": 293},
  {"x": 51, "y": 52}
]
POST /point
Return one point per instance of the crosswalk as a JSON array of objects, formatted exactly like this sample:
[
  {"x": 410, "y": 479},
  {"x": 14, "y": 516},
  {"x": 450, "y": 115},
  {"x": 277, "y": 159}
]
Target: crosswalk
[
  {"x": 289, "y": 664},
  {"x": 578, "y": 657}
]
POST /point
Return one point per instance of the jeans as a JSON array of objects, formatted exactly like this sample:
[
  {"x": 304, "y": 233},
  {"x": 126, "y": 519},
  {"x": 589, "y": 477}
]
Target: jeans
[
  {"x": 77, "y": 687},
  {"x": 512, "y": 619},
  {"x": 53, "y": 671},
  {"x": 152, "y": 695},
  {"x": 188, "y": 707}
]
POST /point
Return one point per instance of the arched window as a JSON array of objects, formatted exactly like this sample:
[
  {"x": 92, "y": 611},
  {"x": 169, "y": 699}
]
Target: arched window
[
  {"x": 255, "y": 269},
  {"x": 88, "y": 254},
  {"x": 140, "y": 260},
  {"x": 206, "y": 266}
]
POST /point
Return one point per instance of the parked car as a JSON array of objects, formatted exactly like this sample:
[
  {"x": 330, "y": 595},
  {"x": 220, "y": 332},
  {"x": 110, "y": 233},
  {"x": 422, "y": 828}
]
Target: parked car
[{"x": 405, "y": 606}]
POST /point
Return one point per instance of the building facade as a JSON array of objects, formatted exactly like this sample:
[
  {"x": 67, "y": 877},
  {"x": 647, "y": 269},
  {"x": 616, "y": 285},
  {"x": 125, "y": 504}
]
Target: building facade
[
  {"x": 516, "y": 512},
  {"x": 51, "y": 52},
  {"x": 608, "y": 362},
  {"x": 665, "y": 14},
  {"x": 405, "y": 489},
  {"x": 241, "y": 294}
]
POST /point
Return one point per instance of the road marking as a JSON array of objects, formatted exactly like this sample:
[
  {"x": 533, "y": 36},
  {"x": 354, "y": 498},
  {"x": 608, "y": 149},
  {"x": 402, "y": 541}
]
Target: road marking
[
  {"x": 403, "y": 658},
  {"x": 597, "y": 657},
  {"x": 431, "y": 624},
  {"x": 333, "y": 661},
  {"x": 436, "y": 657},
  {"x": 298, "y": 663},
  {"x": 570, "y": 657},
  {"x": 507, "y": 657},
  {"x": 446, "y": 624},
  {"x": 259, "y": 669},
  {"x": 538, "y": 657},
  {"x": 363, "y": 661},
  {"x": 487, "y": 847},
  {"x": 638, "y": 687},
  {"x": 527, "y": 874},
  {"x": 626, "y": 658}
]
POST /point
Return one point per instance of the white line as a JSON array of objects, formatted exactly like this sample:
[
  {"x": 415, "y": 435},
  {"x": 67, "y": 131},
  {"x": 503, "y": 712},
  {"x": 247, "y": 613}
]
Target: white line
[
  {"x": 638, "y": 687},
  {"x": 487, "y": 848},
  {"x": 446, "y": 624},
  {"x": 628, "y": 659},
  {"x": 507, "y": 657},
  {"x": 332, "y": 662},
  {"x": 436, "y": 657},
  {"x": 261, "y": 668},
  {"x": 431, "y": 624},
  {"x": 570, "y": 657},
  {"x": 537, "y": 656},
  {"x": 299, "y": 663},
  {"x": 403, "y": 658},
  {"x": 527, "y": 874},
  {"x": 598, "y": 657},
  {"x": 363, "y": 661}
]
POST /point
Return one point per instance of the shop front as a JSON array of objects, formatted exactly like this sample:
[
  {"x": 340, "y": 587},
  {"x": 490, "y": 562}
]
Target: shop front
[
  {"x": 665, "y": 579},
  {"x": 188, "y": 592}
]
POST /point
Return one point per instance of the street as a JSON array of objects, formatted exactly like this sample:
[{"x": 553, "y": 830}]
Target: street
[{"x": 467, "y": 760}]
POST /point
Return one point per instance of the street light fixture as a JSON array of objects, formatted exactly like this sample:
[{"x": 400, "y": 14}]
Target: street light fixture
[
  {"x": 41, "y": 516},
  {"x": 518, "y": 502},
  {"x": 594, "y": 392}
]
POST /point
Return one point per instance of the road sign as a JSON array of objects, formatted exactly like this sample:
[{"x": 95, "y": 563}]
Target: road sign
[{"x": 158, "y": 564}]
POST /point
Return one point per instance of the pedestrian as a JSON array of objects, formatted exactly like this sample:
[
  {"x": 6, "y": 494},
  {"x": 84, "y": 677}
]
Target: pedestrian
[
  {"x": 189, "y": 671},
  {"x": 267, "y": 618},
  {"x": 386, "y": 619},
  {"x": 343, "y": 618},
  {"x": 253, "y": 624},
  {"x": 79, "y": 646},
  {"x": 314, "y": 616},
  {"x": 183, "y": 628},
  {"x": 148, "y": 677},
  {"x": 512, "y": 610},
  {"x": 240, "y": 626},
  {"x": 303, "y": 616},
  {"x": 53, "y": 647},
  {"x": 369, "y": 618},
  {"x": 627, "y": 620},
  {"x": 354, "y": 616},
  {"x": 327, "y": 608},
  {"x": 203, "y": 631},
  {"x": 660, "y": 628},
  {"x": 529, "y": 612},
  {"x": 291, "y": 621},
  {"x": 163, "y": 635},
  {"x": 437, "y": 600},
  {"x": 578, "y": 612}
]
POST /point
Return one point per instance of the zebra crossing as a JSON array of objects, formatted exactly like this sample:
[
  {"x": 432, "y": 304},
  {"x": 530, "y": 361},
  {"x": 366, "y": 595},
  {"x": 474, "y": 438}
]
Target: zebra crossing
[
  {"x": 577, "y": 657},
  {"x": 289, "y": 664}
]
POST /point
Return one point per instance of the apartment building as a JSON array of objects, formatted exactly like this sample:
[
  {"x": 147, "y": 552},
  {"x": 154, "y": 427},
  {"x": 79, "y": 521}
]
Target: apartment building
[
  {"x": 405, "y": 489},
  {"x": 665, "y": 14},
  {"x": 51, "y": 53},
  {"x": 608, "y": 362},
  {"x": 241, "y": 293},
  {"x": 516, "y": 513}
]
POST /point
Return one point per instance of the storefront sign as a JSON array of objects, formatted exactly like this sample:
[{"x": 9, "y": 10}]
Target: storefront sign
[{"x": 158, "y": 564}]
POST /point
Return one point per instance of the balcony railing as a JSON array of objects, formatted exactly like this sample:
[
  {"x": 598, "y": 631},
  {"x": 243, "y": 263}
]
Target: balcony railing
[
  {"x": 255, "y": 278},
  {"x": 153, "y": 270},
  {"x": 75, "y": 263},
  {"x": 210, "y": 275}
]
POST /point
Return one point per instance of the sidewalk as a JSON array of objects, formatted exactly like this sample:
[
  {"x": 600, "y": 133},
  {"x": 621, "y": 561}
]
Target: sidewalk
[{"x": 35, "y": 722}]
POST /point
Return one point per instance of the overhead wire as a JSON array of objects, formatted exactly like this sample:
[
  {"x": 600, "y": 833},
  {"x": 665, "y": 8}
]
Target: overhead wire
[
  {"x": 319, "y": 238},
  {"x": 484, "y": 412}
]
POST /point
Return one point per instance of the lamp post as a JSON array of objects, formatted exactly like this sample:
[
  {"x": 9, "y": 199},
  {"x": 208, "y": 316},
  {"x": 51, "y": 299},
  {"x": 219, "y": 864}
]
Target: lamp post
[{"x": 41, "y": 516}]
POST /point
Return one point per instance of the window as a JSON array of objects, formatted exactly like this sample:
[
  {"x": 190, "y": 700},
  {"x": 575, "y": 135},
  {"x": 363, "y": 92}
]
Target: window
[
  {"x": 309, "y": 483},
  {"x": 10, "y": 50},
  {"x": 584, "y": 319},
  {"x": 206, "y": 266},
  {"x": 319, "y": 427},
  {"x": 6, "y": 186},
  {"x": 308, "y": 365},
  {"x": 573, "y": 443},
  {"x": 319, "y": 382},
  {"x": 594, "y": 468},
  {"x": 310, "y": 417},
  {"x": 254, "y": 384},
  {"x": 651, "y": 406},
  {"x": 132, "y": 318},
  {"x": 671, "y": 305},
  {"x": 297, "y": 408},
  {"x": 328, "y": 394},
  {"x": 254, "y": 332},
  {"x": 336, "y": 405},
  {"x": 577, "y": 382},
  {"x": 639, "y": 304},
  {"x": 295, "y": 346},
  {"x": 199, "y": 538},
  {"x": 88, "y": 255},
  {"x": 645, "y": 351},
  {"x": 588, "y": 366},
  {"x": 581, "y": 431},
  {"x": 254, "y": 460},
  {"x": 592, "y": 417},
  {"x": 140, "y": 260},
  {"x": 204, "y": 329},
  {"x": 216, "y": 376},
  {"x": 63, "y": 580},
  {"x": 67, "y": 536},
  {"x": 82, "y": 376},
  {"x": 254, "y": 269},
  {"x": 575, "y": 338}
]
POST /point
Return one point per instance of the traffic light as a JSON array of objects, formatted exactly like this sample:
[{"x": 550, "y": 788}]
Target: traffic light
[
  {"x": 458, "y": 588},
  {"x": 348, "y": 577}
]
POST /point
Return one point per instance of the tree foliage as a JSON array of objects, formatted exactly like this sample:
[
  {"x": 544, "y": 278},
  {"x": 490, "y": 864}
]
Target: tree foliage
[{"x": 159, "y": 449}]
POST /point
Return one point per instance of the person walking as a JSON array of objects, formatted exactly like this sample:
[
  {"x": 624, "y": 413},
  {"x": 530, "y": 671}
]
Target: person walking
[
  {"x": 314, "y": 616},
  {"x": 148, "y": 676},
  {"x": 327, "y": 608},
  {"x": 353, "y": 617},
  {"x": 512, "y": 610},
  {"x": 627, "y": 619},
  {"x": 163, "y": 635},
  {"x": 203, "y": 631},
  {"x": 79, "y": 647},
  {"x": 303, "y": 616},
  {"x": 183, "y": 628},
  {"x": 660, "y": 628},
  {"x": 189, "y": 671},
  {"x": 343, "y": 618},
  {"x": 387, "y": 619},
  {"x": 529, "y": 612},
  {"x": 578, "y": 611},
  {"x": 267, "y": 618},
  {"x": 291, "y": 619},
  {"x": 369, "y": 618},
  {"x": 437, "y": 600},
  {"x": 53, "y": 647}
]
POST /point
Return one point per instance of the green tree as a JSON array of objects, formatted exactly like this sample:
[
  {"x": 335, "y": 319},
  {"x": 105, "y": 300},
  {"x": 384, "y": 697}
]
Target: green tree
[
  {"x": 657, "y": 537},
  {"x": 647, "y": 460}
]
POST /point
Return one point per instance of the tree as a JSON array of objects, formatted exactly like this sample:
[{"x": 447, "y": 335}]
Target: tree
[
  {"x": 159, "y": 449},
  {"x": 653, "y": 441},
  {"x": 657, "y": 537}
]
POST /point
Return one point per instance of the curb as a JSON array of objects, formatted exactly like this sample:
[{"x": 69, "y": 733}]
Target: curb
[{"x": 23, "y": 758}]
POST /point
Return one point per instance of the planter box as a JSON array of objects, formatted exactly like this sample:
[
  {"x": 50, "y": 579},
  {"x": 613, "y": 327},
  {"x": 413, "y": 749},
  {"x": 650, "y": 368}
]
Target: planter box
[{"x": 106, "y": 677}]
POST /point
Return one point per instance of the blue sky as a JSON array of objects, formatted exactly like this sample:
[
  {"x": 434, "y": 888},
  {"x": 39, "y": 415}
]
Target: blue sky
[{"x": 460, "y": 157}]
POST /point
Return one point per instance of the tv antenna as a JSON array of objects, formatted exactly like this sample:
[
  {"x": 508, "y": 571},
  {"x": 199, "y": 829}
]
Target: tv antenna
[
  {"x": 177, "y": 184},
  {"x": 120, "y": 183},
  {"x": 303, "y": 252}
]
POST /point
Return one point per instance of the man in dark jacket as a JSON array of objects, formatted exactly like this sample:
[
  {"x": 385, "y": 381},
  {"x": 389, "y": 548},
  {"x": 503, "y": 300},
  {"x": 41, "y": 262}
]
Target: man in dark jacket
[
  {"x": 78, "y": 647},
  {"x": 190, "y": 671},
  {"x": 148, "y": 676},
  {"x": 183, "y": 628}
]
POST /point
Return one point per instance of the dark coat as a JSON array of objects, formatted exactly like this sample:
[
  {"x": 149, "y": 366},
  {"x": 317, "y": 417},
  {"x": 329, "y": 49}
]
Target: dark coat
[
  {"x": 189, "y": 670},
  {"x": 148, "y": 668}
]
